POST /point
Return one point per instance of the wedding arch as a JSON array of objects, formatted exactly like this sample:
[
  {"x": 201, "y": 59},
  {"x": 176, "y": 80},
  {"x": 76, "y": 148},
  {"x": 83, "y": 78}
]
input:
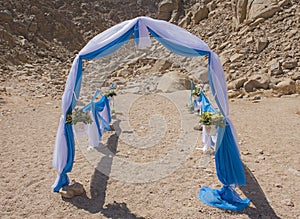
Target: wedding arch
[{"x": 178, "y": 40}]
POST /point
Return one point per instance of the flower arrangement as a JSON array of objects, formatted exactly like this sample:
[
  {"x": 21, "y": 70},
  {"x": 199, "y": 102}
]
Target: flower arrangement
[
  {"x": 211, "y": 118},
  {"x": 111, "y": 93},
  {"x": 196, "y": 92},
  {"x": 78, "y": 116}
]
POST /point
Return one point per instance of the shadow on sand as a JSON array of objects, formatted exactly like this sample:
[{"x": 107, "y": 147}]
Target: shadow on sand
[
  {"x": 98, "y": 186},
  {"x": 258, "y": 198}
]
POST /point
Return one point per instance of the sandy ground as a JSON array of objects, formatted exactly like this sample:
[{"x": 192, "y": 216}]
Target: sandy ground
[{"x": 269, "y": 136}]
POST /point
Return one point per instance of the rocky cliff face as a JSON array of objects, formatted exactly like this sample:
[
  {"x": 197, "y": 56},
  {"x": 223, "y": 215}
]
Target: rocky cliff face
[{"x": 256, "y": 40}]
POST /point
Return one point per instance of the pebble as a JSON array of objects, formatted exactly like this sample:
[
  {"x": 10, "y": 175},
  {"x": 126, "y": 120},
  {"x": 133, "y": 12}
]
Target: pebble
[
  {"x": 246, "y": 153},
  {"x": 260, "y": 151},
  {"x": 288, "y": 202},
  {"x": 261, "y": 157}
]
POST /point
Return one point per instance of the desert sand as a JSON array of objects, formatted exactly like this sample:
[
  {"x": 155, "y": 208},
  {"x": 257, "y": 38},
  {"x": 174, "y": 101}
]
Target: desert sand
[{"x": 269, "y": 137}]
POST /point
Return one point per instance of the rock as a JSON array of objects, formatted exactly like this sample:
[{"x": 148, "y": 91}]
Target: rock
[
  {"x": 200, "y": 14},
  {"x": 165, "y": 9},
  {"x": 257, "y": 82},
  {"x": 35, "y": 10},
  {"x": 24, "y": 42},
  {"x": 237, "y": 84},
  {"x": 292, "y": 33},
  {"x": 257, "y": 97},
  {"x": 261, "y": 44},
  {"x": 292, "y": 170},
  {"x": 211, "y": 6},
  {"x": 236, "y": 57},
  {"x": 77, "y": 188},
  {"x": 284, "y": 3},
  {"x": 286, "y": 87},
  {"x": 2, "y": 89},
  {"x": 173, "y": 81},
  {"x": 66, "y": 192},
  {"x": 239, "y": 10},
  {"x": 257, "y": 21},
  {"x": 224, "y": 59},
  {"x": 250, "y": 40},
  {"x": 199, "y": 74},
  {"x": 186, "y": 20},
  {"x": 296, "y": 76},
  {"x": 275, "y": 67},
  {"x": 260, "y": 151},
  {"x": 246, "y": 153},
  {"x": 289, "y": 64},
  {"x": 223, "y": 45},
  {"x": 162, "y": 65},
  {"x": 297, "y": 86},
  {"x": 6, "y": 16},
  {"x": 288, "y": 202},
  {"x": 263, "y": 9},
  {"x": 33, "y": 27},
  {"x": 261, "y": 157}
]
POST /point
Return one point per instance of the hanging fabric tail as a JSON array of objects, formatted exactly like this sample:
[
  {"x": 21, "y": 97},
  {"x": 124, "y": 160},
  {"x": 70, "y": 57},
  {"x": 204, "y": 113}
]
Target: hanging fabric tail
[
  {"x": 191, "y": 95},
  {"x": 225, "y": 198},
  {"x": 63, "y": 178},
  {"x": 206, "y": 105},
  {"x": 112, "y": 86},
  {"x": 229, "y": 166}
]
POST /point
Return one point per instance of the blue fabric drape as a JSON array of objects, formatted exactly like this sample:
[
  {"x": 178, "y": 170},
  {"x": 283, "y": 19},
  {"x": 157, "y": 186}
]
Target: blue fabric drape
[
  {"x": 63, "y": 177},
  {"x": 225, "y": 198},
  {"x": 96, "y": 108},
  {"x": 101, "y": 52},
  {"x": 192, "y": 86},
  {"x": 177, "y": 49},
  {"x": 136, "y": 33},
  {"x": 206, "y": 105},
  {"x": 109, "y": 48},
  {"x": 227, "y": 154},
  {"x": 229, "y": 165}
]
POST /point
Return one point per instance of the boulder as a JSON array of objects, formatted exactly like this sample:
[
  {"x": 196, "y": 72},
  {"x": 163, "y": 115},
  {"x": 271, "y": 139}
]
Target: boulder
[
  {"x": 166, "y": 8},
  {"x": 257, "y": 82},
  {"x": 261, "y": 9},
  {"x": 6, "y": 16},
  {"x": 251, "y": 10},
  {"x": 284, "y": 3},
  {"x": 275, "y": 68},
  {"x": 289, "y": 64},
  {"x": 237, "y": 84},
  {"x": 257, "y": 22},
  {"x": 250, "y": 39},
  {"x": 162, "y": 65},
  {"x": 173, "y": 81},
  {"x": 200, "y": 14},
  {"x": 241, "y": 10},
  {"x": 186, "y": 20},
  {"x": 297, "y": 86},
  {"x": 296, "y": 76},
  {"x": 285, "y": 87},
  {"x": 211, "y": 6},
  {"x": 236, "y": 57},
  {"x": 199, "y": 74},
  {"x": 267, "y": 12},
  {"x": 261, "y": 44}
]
